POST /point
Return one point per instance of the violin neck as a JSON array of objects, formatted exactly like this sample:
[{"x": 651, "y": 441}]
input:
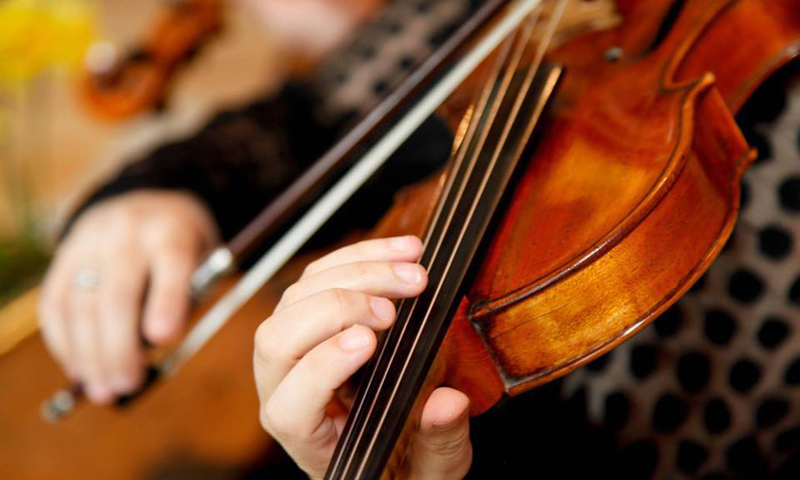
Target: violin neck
[{"x": 482, "y": 168}]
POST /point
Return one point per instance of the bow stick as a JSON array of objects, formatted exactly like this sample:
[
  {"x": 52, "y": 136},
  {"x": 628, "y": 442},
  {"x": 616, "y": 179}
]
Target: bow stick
[{"x": 223, "y": 259}]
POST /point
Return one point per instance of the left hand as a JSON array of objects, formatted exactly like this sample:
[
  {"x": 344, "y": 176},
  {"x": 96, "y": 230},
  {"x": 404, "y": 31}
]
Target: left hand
[{"x": 322, "y": 332}]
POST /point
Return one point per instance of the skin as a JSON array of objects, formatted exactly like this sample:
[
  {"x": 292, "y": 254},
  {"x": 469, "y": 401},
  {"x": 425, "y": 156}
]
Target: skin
[
  {"x": 312, "y": 27},
  {"x": 322, "y": 331},
  {"x": 145, "y": 245},
  {"x": 95, "y": 334}
]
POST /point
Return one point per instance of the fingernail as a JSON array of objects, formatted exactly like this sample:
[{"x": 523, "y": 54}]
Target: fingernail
[
  {"x": 354, "y": 338},
  {"x": 408, "y": 273},
  {"x": 382, "y": 308},
  {"x": 400, "y": 243}
]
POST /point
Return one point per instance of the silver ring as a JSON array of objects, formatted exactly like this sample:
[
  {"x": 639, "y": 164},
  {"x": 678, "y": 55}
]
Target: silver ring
[{"x": 87, "y": 279}]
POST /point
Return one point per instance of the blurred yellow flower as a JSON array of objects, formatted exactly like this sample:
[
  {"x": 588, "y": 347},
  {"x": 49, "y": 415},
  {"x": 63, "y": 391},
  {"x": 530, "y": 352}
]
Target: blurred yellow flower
[{"x": 38, "y": 34}]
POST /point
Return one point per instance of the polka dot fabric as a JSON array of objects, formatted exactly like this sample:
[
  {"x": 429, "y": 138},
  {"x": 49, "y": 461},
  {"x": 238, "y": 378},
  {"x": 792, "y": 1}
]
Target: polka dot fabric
[
  {"x": 385, "y": 52},
  {"x": 712, "y": 388}
]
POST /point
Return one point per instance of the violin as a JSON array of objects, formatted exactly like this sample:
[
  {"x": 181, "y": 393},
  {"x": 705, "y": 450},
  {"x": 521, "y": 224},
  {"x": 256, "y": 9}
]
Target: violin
[
  {"x": 544, "y": 253},
  {"x": 594, "y": 178},
  {"x": 116, "y": 87}
]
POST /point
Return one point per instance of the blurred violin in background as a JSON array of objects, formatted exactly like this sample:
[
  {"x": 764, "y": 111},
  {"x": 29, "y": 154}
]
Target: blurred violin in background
[{"x": 119, "y": 84}]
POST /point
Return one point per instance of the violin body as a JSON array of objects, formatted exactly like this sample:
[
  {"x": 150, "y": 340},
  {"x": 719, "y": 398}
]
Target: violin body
[{"x": 630, "y": 193}]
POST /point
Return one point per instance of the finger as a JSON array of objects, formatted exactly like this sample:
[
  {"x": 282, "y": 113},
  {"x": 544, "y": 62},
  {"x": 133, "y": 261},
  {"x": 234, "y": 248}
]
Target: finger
[
  {"x": 288, "y": 335},
  {"x": 85, "y": 340},
  {"x": 296, "y": 412},
  {"x": 120, "y": 308},
  {"x": 441, "y": 447},
  {"x": 380, "y": 279},
  {"x": 397, "y": 249},
  {"x": 168, "y": 298},
  {"x": 53, "y": 317}
]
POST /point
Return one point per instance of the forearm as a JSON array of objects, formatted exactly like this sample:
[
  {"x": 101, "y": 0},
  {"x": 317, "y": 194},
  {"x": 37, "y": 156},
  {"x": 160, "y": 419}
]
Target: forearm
[
  {"x": 244, "y": 158},
  {"x": 236, "y": 164}
]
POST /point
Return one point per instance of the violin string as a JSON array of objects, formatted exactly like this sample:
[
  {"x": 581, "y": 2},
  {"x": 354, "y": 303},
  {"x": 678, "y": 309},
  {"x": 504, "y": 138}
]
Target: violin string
[
  {"x": 530, "y": 74},
  {"x": 495, "y": 37},
  {"x": 332, "y": 200},
  {"x": 481, "y": 106},
  {"x": 506, "y": 128},
  {"x": 458, "y": 163},
  {"x": 523, "y": 42},
  {"x": 500, "y": 84}
]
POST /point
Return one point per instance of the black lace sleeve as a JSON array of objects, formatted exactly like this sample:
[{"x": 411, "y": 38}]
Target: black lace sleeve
[
  {"x": 237, "y": 163},
  {"x": 244, "y": 158}
]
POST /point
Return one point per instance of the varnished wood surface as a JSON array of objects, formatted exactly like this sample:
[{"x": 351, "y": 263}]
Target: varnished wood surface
[
  {"x": 768, "y": 38},
  {"x": 629, "y": 196},
  {"x": 18, "y": 320},
  {"x": 619, "y": 210},
  {"x": 202, "y": 423}
]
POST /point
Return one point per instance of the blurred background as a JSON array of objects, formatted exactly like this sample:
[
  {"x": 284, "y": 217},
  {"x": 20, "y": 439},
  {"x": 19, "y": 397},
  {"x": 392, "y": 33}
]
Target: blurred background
[
  {"x": 57, "y": 140},
  {"x": 86, "y": 85}
]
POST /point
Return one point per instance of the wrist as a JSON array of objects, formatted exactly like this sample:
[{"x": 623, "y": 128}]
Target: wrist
[{"x": 141, "y": 207}]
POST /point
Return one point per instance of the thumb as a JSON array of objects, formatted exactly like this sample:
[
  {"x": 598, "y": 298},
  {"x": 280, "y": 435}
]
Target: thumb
[{"x": 441, "y": 447}]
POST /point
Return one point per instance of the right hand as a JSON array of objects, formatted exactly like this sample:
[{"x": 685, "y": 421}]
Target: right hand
[{"x": 137, "y": 244}]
